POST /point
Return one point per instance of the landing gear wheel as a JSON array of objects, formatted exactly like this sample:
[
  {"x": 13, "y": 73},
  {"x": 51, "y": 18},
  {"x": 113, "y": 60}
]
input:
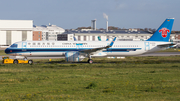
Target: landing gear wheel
[
  {"x": 15, "y": 61},
  {"x": 30, "y": 62},
  {"x": 90, "y": 61}
]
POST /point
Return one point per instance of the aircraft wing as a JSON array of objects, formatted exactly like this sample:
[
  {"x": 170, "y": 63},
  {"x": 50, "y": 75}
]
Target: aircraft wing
[{"x": 95, "y": 50}]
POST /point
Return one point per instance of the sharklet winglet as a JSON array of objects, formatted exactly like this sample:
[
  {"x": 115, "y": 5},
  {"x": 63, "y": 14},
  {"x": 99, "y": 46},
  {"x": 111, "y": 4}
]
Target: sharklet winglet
[{"x": 111, "y": 44}]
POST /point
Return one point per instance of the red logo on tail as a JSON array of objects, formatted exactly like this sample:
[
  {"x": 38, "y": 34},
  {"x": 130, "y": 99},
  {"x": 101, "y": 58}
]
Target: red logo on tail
[{"x": 164, "y": 32}]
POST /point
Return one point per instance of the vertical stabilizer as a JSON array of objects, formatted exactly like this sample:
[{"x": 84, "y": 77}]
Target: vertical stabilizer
[{"x": 163, "y": 32}]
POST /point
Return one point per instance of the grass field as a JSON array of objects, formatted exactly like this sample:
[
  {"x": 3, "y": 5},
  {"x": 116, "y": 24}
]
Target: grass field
[
  {"x": 171, "y": 50},
  {"x": 168, "y": 50},
  {"x": 130, "y": 79},
  {"x": 2, "y": 52}
]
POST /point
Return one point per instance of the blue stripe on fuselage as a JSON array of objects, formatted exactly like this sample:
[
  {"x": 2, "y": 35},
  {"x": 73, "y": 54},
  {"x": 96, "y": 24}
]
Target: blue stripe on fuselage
[{"x": 28, "y": 50}]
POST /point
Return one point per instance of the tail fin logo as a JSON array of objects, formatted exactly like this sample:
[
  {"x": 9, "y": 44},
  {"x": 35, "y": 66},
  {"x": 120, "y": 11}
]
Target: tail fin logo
[{"x": 164, "y": 32}]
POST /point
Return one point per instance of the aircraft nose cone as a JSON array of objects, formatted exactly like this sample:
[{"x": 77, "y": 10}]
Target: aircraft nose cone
[{"x": 7, "y": 50}]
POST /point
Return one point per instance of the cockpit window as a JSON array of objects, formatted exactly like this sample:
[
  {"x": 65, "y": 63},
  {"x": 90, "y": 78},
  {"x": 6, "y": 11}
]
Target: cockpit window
[{"x": 14, "y": 45}]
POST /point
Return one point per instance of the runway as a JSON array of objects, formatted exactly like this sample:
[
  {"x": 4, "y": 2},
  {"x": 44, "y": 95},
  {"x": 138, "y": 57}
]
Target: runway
[{"x": 150, "y": 54}]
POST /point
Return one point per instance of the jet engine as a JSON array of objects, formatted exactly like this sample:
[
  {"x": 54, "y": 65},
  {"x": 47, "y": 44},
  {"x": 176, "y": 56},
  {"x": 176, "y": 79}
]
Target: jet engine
[{"x": 73, "y": 57}]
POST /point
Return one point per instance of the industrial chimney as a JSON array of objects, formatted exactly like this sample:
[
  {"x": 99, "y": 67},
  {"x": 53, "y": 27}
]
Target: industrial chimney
[
  {"x": 106, "y": 17},
  {"x": 107, "y": 25}
]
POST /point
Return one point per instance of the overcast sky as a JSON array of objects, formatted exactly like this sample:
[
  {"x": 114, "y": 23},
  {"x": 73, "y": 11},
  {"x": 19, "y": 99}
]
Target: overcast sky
[{"x": 77, "y": 13}]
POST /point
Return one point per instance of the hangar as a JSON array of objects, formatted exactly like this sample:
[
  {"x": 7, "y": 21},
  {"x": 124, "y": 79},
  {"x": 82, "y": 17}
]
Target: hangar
[{"x": 15, "y": 30}]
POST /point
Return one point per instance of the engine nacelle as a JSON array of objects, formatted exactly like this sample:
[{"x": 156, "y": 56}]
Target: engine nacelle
[{"x": 73, "y": 57}]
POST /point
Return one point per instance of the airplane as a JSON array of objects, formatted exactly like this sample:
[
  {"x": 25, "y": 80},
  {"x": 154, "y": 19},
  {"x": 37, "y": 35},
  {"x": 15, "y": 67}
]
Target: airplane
[{"x": 76, "y": 51}]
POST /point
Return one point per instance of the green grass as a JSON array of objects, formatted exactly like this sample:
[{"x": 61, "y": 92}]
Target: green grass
[
  {"x": 2, "y": 52},
  {"x": 130, "y": 79},
  {"x": 171, "y": 50}
]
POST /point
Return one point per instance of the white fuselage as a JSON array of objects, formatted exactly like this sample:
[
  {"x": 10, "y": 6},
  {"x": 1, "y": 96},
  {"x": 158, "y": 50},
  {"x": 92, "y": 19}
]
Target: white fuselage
[{"x": 59, "y": 48}]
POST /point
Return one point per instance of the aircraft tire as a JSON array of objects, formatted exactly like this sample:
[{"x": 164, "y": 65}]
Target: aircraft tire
[
  {"x": 30, "y": 62},
  {"x": 15, "y": 61},
  {"x": 90, "y": 61}
]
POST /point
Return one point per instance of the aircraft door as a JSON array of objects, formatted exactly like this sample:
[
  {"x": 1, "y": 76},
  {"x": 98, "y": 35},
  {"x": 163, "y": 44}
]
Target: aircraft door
[
  {"x": 79, "y": 46},
  {"x": 147, "y": 46},
  {"x": 24, "y": 46}
]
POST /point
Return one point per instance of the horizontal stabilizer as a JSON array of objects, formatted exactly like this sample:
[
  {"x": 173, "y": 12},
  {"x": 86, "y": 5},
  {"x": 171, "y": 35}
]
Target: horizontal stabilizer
[{"x": 166, "y": 45}]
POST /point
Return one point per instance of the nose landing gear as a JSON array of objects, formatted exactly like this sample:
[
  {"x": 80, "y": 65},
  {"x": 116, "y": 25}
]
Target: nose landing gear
[{"x": 90, "y": 61}]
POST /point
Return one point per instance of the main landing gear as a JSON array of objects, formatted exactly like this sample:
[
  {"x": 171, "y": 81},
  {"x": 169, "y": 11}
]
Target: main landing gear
[{"x": 90, "y": 61}]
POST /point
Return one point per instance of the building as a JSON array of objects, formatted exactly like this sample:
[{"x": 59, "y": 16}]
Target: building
[
  {"x": 122, "y": 35},
  {"x": 12, "y": 31},
  {"x": 66, "y": 36},
  {"x": 48, "y": 32},
  {"x": 83, "y": 35},
  {"x": 110, "y": 34},
  {"x": 176, "y": 38},
  {"x": 37, "y": 35}
]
